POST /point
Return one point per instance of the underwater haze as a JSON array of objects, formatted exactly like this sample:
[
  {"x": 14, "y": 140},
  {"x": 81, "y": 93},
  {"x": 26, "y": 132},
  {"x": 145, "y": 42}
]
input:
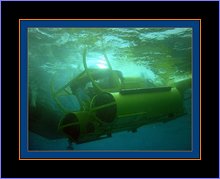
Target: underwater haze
[{"x": 161, "y": 56}]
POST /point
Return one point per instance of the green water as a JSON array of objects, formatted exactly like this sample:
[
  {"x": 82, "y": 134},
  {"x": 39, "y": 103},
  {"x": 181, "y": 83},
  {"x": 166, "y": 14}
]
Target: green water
[{"x": 161, "y": 56}]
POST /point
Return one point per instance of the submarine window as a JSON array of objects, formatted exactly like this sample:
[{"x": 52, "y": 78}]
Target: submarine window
[{"x": 110, "y": 80}]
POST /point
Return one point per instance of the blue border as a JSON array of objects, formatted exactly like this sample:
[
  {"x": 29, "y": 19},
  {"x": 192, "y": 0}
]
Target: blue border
[{"x": 194, "y": 24}]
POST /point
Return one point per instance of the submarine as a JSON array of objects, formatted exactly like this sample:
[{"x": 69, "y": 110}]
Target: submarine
[{"x": 110, "y": 103}]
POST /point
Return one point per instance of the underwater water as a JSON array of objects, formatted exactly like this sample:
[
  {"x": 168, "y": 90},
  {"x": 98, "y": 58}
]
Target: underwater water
[{"x": 159, "y": 56}]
